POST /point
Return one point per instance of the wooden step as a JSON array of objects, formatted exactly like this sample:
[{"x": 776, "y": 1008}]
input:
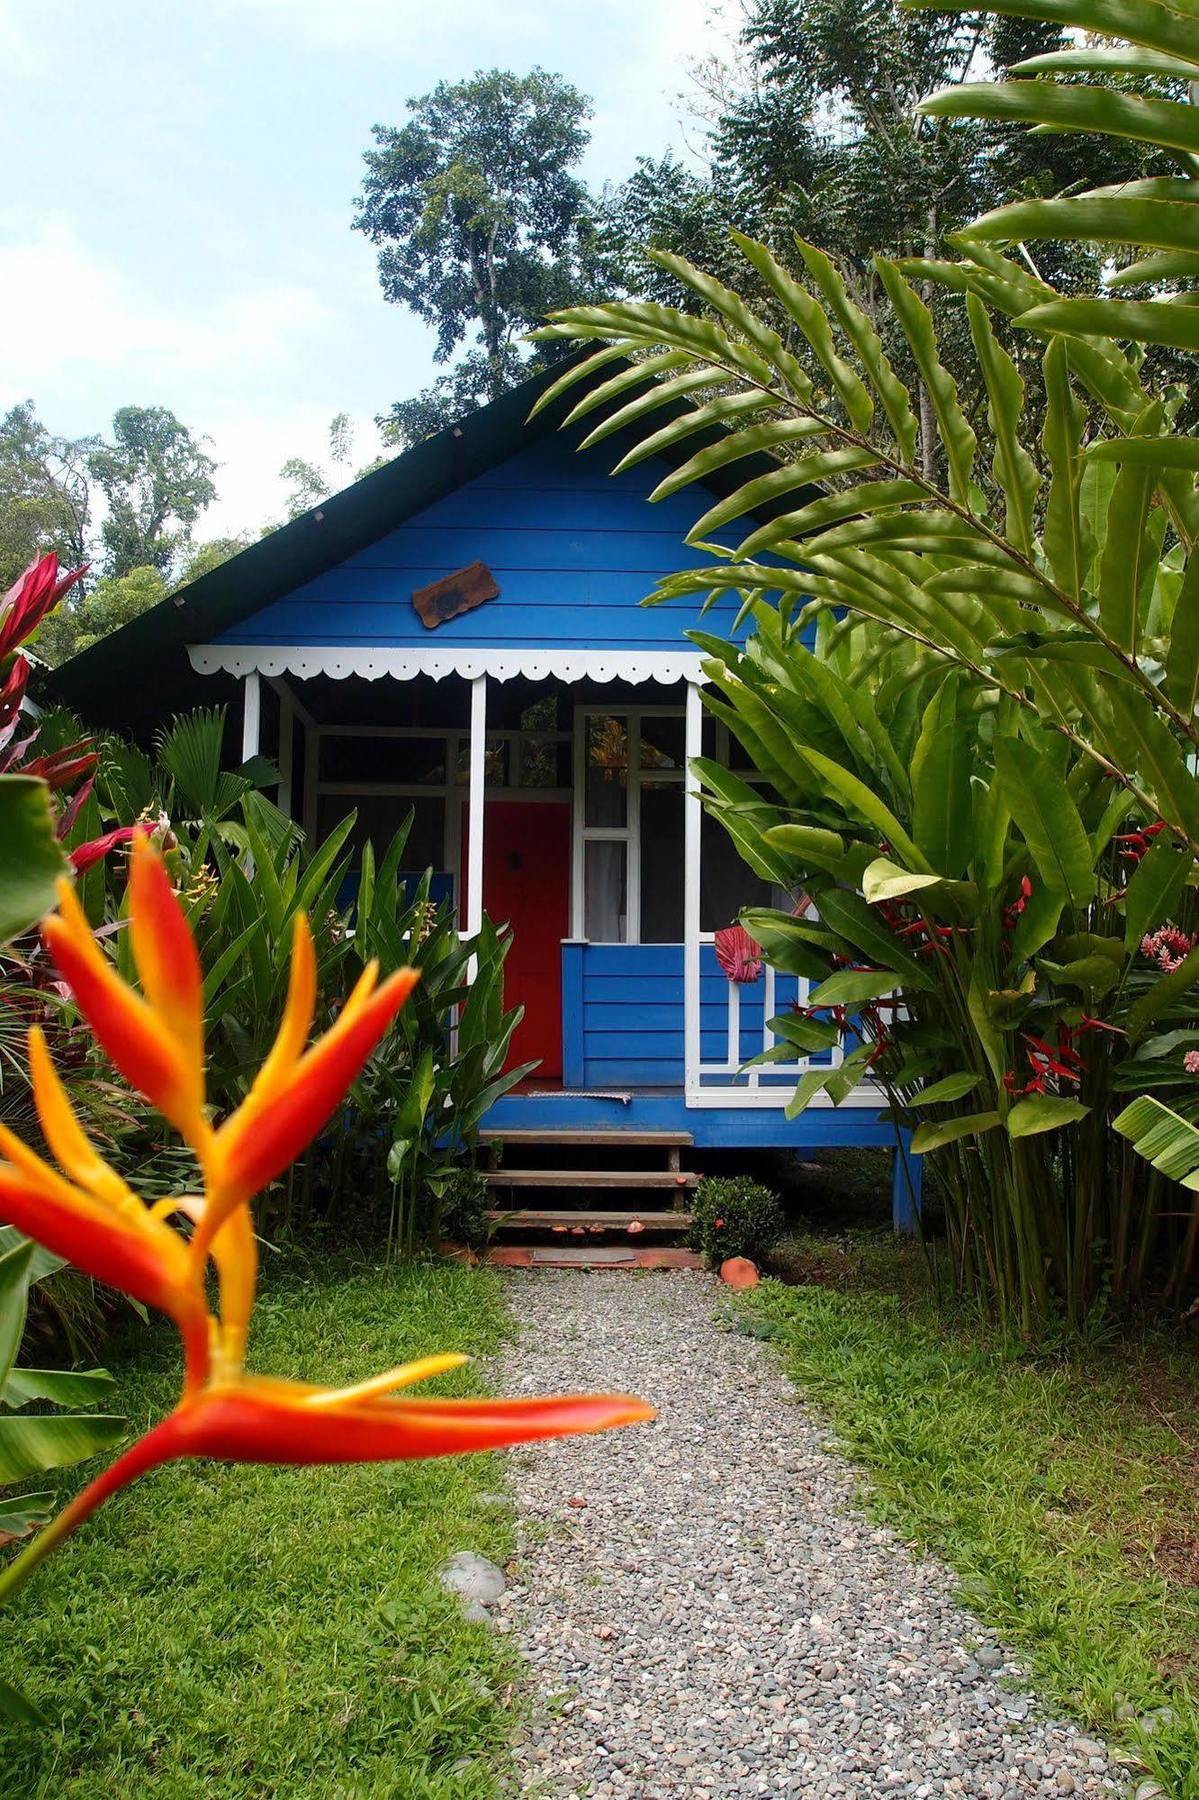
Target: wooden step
[
  {"x": 590, "y": 1178},
  {"x": 595, "y": 1256},
  {"x": 538, "y": 1219},
  {"x": 615, "y": 1135}
]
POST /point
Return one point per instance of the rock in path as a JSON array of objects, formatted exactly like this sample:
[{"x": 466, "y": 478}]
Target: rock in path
[{"x": 721, "y": 1618}]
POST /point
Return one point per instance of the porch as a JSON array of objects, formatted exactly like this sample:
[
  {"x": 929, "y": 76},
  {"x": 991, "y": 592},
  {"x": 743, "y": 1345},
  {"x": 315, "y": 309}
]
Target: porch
[{"x": 562, "y": 803}]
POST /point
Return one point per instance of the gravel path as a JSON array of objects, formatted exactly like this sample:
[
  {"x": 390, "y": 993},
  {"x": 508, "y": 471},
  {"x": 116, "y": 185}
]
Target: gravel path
[{"x": 705, "y": 1608}]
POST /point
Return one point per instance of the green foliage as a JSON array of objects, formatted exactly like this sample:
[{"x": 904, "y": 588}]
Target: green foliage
[
  {"x": 734, "y": 1216},
  {"x": 96, "y": 613},
  {"x": 45, "y": 495},
  {"x": 482, "y": 224},
  {"x": 1059, "y": 1489},
  {"x": 464, "y": 1204},
  {"x": 283, "y": 1631},
  {"x": 32, "y": 856},
  {"x": 32, "y": 1443},
  {"x": 156, "y": 481}
]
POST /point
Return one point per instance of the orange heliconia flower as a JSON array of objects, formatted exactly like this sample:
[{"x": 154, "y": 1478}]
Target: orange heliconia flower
[{"x": 84, "y": 1211}]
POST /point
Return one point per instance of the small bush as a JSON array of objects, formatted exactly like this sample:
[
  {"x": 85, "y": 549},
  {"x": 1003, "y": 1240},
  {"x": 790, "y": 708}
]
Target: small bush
[
  {"x": 734, "y": 1216},
  {"x": 463, "y": 1205}
]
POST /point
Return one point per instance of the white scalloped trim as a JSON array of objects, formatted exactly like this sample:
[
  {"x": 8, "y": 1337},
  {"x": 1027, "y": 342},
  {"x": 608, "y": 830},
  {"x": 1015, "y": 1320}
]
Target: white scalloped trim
[{"x": 338, "y": 661}]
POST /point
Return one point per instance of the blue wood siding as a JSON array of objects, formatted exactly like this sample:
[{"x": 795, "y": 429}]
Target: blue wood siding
[
  {"x": 623, "y": 1013},
  {"x": 573, "y": 550}
]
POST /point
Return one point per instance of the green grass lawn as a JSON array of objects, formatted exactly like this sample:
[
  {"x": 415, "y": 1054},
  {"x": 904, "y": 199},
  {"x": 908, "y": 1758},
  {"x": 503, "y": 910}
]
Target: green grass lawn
[
  {"x": 1061, "y": 1489},
  {"x": 275, "y": 1632}
]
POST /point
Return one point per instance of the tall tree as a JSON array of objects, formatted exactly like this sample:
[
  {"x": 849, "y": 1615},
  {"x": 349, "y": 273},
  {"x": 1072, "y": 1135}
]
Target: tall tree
[
  {"x": 45, "y": 494},
  {"x": 482, "y": 224},
  {"x": 156, "y": 479},
  {"x": 814, "y": 129}
]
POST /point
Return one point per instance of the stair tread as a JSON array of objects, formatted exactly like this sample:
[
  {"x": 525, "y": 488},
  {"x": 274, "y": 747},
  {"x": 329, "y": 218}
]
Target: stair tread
[
  {"x": 610, "y": 1221},
  {"x": 563, "y": 1135},
  {"x": 617, "y": 1178}
]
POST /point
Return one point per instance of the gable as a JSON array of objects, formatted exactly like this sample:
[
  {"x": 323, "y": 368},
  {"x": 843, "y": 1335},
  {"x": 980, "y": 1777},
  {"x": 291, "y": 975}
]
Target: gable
[{"x": 573, "y": 551}]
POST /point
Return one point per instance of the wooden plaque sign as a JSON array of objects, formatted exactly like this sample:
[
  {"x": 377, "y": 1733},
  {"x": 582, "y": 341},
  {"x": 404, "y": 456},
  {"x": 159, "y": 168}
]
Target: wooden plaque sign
[{"x": 454, "y": 594}]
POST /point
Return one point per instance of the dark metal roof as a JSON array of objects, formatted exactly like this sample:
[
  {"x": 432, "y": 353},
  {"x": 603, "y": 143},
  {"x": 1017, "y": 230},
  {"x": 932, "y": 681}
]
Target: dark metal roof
[{"x": 140, "y": 673}]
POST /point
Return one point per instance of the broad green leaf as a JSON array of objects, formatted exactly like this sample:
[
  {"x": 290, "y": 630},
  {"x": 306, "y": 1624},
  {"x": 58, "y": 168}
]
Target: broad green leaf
[
  {"x": 950, "y": 1087},
  {"x": 1142, "y": 321},
  {"x": 1163, "y": 266},
  {"x": 853, "y": 987},
  {"x": 753, "y": 440},
  {"x": 1048, "y": 820},
  {"x": 31, "y": 1443},
  {"x": 1182, "y": 655},
  {"x": 1155, "y": 452},
  {"x": 957, "y": 439},
  {"x": 1111, "y": 215},
  {"x": 885, "y": 880},
  {"x": 808, "y": 1086},
  {"x": 1067, "y": 544},
  {"x": 634, "y": 374},
  {"x": 660, "y": 394},
  {"x": 1166, "y": 123},
  {"x": 1095, "y": 974},
  {"x": 22, "y": 1513},
  {"x": 1043, "y": 1112},
  {"x": 860, "y": 925},
  {"x": 1013, "y": 467},
  {"x": 1161, "y": 996},
  {"x": 813, "y": 322},
  {"x": 1129, "y": 554},
  {"x": 61, "y": 1387},
  {"x": 17, "y": 1709},
  {"x": 830, "y": 509},
  {"x": 43, "y": 1262},
  {"x": 14, "y": 1287},
  {"x": 806, "y": 1033},
  {"x": 1140, "y": 741},
  {"x": 934, "y": 1137},
  {"x": 810, "y": 845},
  {"x": 864, "y": 804},
  {"x": 1154, "y": 890},
  {"x": 1122, "y": 60},
  {"x": 943, "y": 793},
  {"x": 893, "y": 395},
  {"x": 33, "y": 858},
  {"x": 763, "y": 490},
  {"x": 577, "y": 372},
  {"x": 1164, "y": 1138}
]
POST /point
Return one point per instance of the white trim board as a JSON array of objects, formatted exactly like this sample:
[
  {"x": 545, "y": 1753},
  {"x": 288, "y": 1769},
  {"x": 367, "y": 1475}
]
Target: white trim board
[{"x": 371, "y": 661}]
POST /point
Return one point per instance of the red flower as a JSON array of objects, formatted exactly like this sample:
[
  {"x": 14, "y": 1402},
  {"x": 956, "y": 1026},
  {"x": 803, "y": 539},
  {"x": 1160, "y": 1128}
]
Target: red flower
[{"x": 83, "y": 1210}]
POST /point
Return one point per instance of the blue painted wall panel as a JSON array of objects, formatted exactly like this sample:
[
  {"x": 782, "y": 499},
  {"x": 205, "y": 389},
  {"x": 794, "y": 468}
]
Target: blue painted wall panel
[
  {"x": 573, "y": 551},
  {"x": 630, "y": 1025}
]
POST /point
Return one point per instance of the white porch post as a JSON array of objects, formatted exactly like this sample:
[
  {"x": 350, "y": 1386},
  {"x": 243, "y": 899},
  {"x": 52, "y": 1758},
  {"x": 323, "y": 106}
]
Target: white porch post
[
  {"x": 478, "y": 777},
  {"x": 312, "y": 759},
  {"x": 251, "y": 714},
  {"x": 692, "y": 815},
  {"x": 287, "y": 732}
]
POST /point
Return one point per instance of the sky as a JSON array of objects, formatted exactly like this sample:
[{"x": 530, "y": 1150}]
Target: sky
[{"x": 180, "y": 178}]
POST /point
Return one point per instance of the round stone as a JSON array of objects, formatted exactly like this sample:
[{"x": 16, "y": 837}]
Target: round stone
[{"x": 472, "y": 1577}]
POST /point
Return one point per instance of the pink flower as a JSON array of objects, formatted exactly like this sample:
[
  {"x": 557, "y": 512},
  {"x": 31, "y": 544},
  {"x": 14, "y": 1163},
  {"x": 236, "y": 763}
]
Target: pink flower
[
  {"x": 1190, "y": 1062},
  {"x": 1167, "y": 947}
]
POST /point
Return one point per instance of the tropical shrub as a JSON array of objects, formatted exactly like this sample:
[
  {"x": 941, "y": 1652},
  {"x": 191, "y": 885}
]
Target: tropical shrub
[
  {"x": 464, "y": 1203},
  {"x": 1054, "y": 580},
  {"x": 734, "y": 1216}
]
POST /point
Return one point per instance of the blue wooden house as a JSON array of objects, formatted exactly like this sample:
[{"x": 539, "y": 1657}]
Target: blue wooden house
[{"x": 460, "y": 633}]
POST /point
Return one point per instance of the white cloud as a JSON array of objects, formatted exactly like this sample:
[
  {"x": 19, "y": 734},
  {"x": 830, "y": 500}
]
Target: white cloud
[
  {"x": 71, "y": 313},
  {"x": 251, "y": 449}
]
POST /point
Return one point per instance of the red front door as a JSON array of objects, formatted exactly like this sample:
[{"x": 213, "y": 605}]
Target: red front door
[{"x": 526, "y": 884}]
